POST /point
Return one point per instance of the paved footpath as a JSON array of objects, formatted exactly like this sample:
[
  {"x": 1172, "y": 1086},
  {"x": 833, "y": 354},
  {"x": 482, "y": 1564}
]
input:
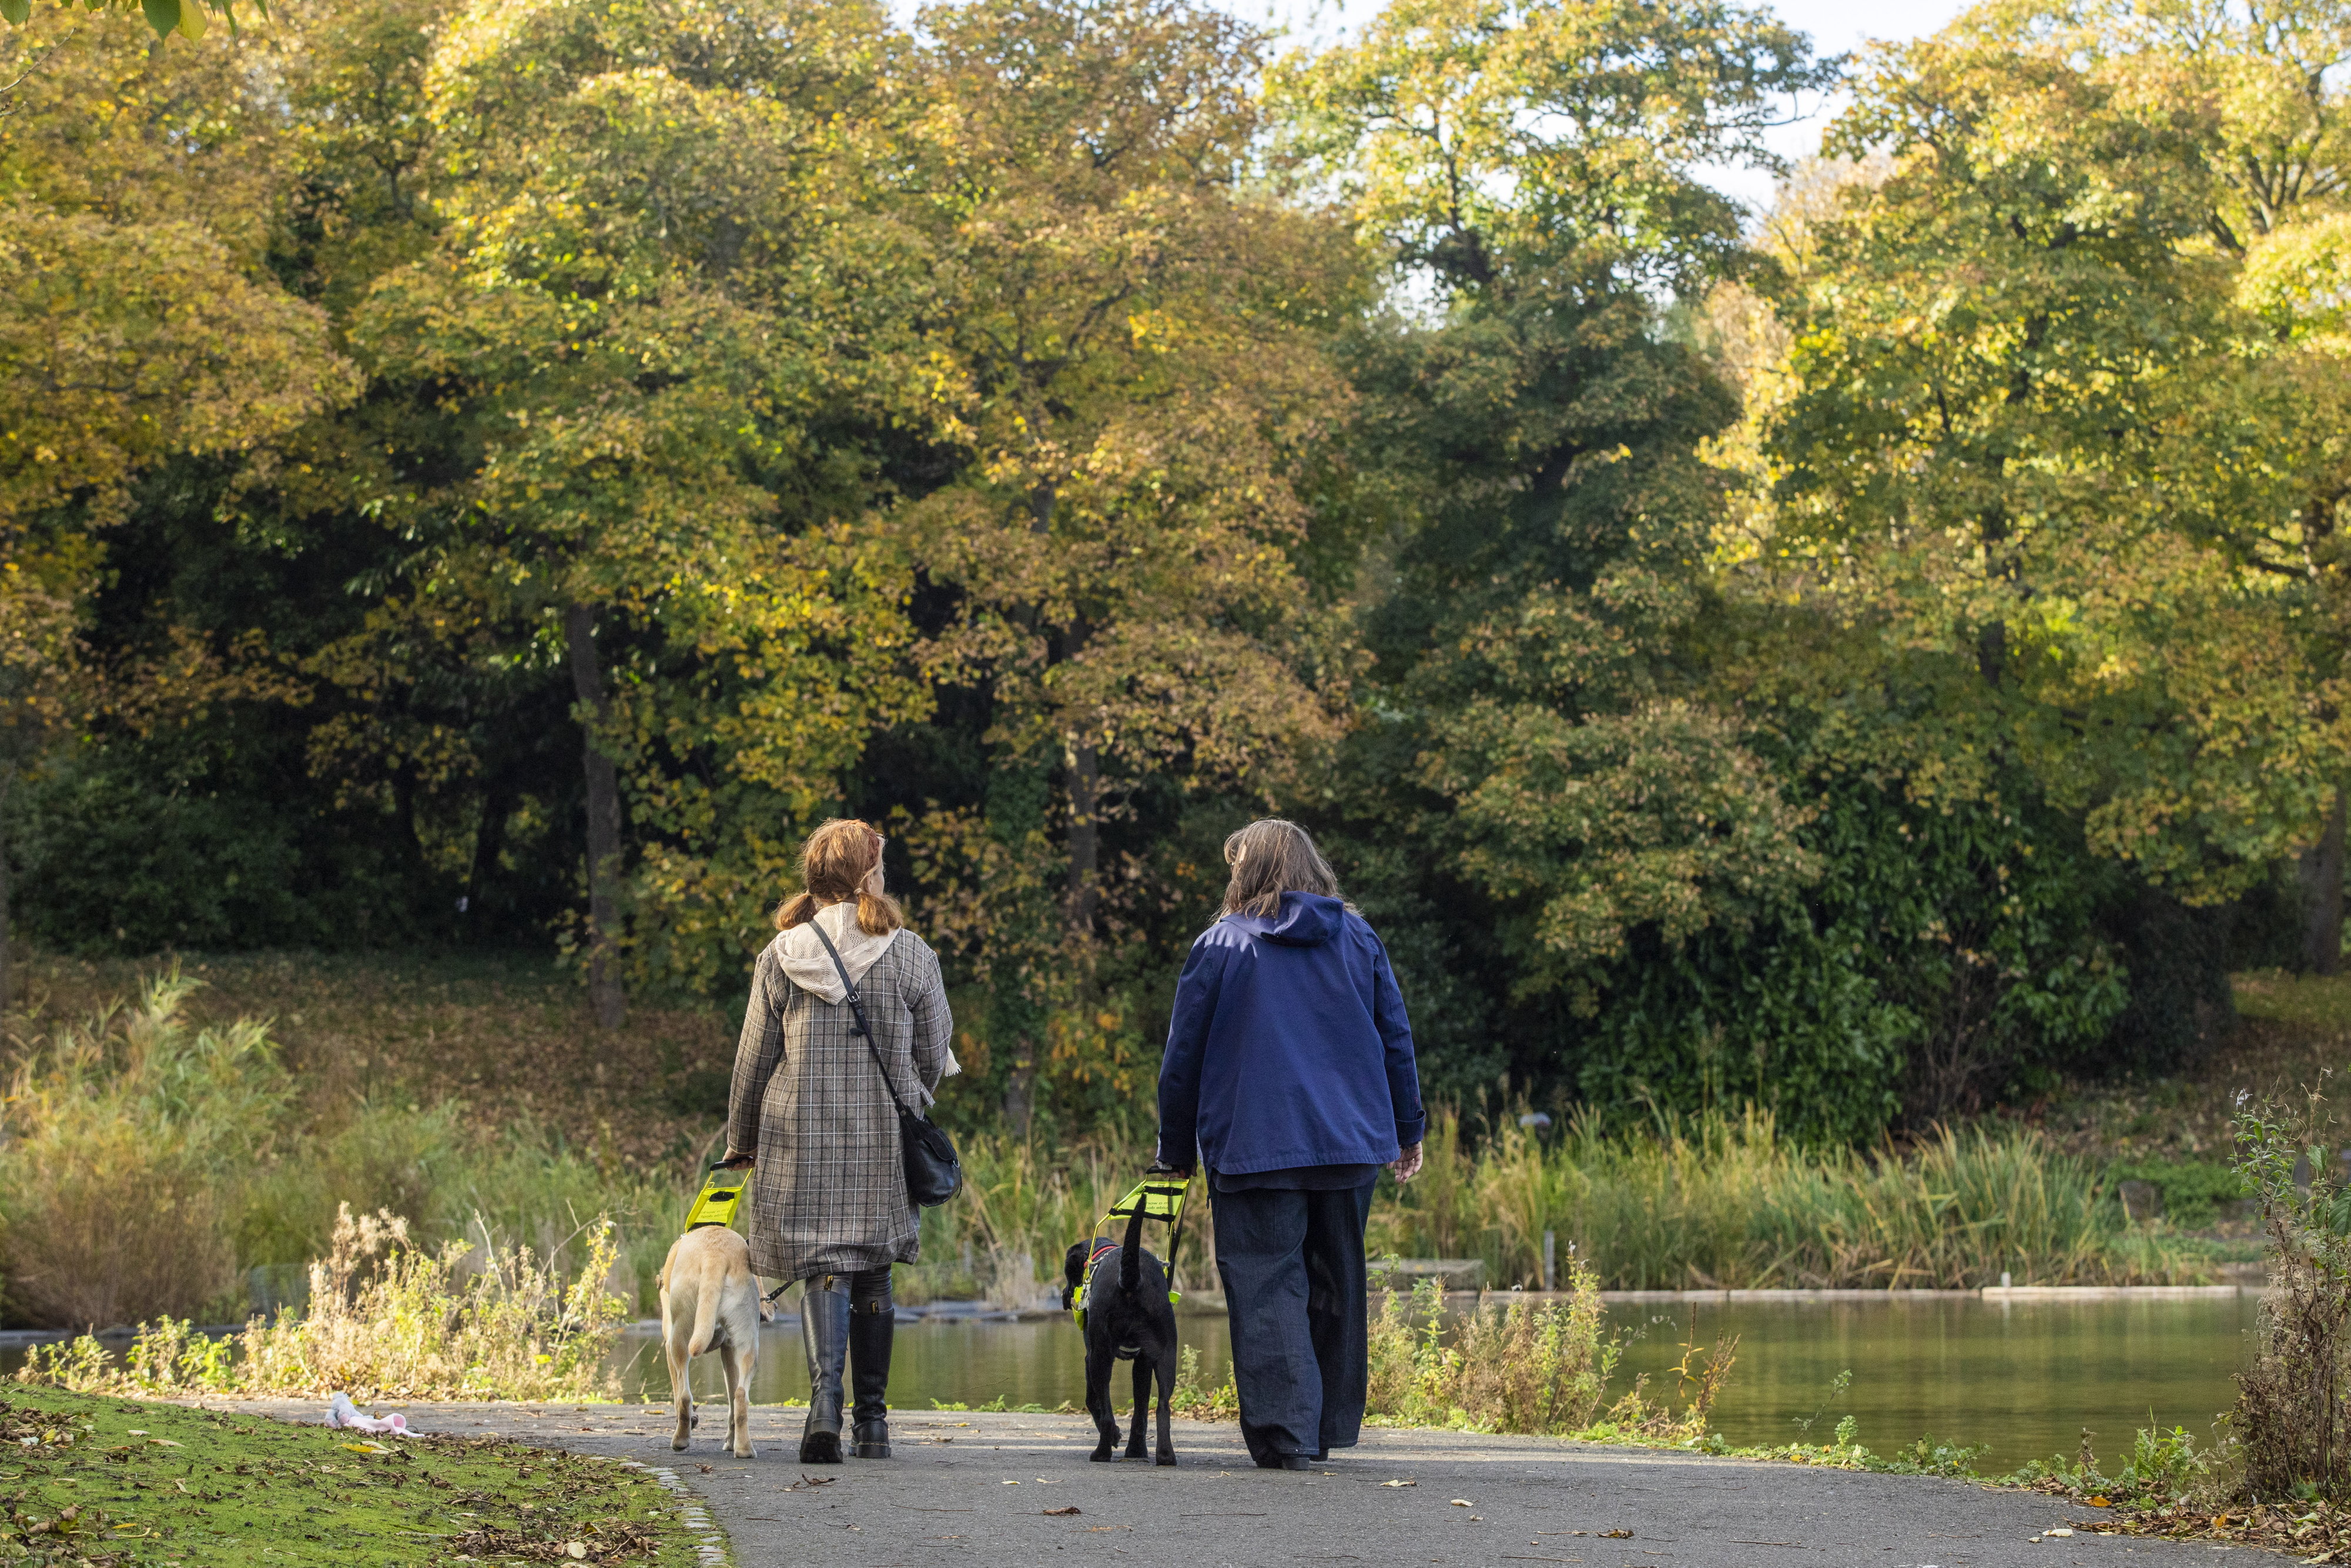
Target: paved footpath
[{"x": 985, "y": 1489}]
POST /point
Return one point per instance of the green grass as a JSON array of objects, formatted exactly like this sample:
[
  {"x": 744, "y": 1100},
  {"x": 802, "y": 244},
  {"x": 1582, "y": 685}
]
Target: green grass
[
  {"x": 2315, "y": 1001},
  {"x": 131, "y": 1483}
]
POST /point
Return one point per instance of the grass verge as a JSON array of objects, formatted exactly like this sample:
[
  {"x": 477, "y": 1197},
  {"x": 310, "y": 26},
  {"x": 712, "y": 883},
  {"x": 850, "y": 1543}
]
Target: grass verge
[{"x": 113, "y": 1483}]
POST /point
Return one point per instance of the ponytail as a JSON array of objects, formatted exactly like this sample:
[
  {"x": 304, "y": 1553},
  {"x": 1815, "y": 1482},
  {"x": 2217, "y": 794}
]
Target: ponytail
[
  {"x": 877, "y": 914},
  {"x": 835, "y": 863}
]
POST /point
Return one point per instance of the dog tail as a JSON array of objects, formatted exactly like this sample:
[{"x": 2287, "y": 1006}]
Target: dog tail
[
  {"x": 1130, "y": 1257},
  {"x": 705, "y": 1315}
]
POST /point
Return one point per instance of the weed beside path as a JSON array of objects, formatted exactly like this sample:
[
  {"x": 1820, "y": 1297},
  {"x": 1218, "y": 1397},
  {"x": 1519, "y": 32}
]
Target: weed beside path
[{"x": 117, "y": 1483}]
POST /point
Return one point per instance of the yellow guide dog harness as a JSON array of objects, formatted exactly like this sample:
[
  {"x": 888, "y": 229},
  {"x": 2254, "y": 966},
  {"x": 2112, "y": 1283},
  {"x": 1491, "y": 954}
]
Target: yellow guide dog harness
[
  {"x": 1160, "y": 1197},
  {"x": 716, "y": 1203}
]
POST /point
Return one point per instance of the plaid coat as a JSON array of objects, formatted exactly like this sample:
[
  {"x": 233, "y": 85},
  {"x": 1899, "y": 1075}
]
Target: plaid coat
[{"x": 829, "y": 1196}]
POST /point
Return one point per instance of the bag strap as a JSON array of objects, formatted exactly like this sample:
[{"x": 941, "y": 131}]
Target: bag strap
[{"x": 857, "y": 1009}]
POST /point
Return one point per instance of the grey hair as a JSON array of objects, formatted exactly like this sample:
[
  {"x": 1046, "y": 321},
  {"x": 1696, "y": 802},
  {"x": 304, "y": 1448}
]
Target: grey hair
[{"x": 1272, "y": 857}]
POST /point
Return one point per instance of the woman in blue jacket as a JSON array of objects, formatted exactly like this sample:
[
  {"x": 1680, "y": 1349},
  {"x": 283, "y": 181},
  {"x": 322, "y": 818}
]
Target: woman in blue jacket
[{"x": 1289, "y": 1070}]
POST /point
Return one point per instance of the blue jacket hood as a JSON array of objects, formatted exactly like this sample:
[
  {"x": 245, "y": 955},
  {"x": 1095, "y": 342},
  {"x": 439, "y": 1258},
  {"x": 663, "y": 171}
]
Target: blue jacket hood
[
  {"x": 1307, "y": 920},
  {"x": 1288, "y": 1046}
]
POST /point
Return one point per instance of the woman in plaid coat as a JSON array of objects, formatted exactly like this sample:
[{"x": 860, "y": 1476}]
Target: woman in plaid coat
[{"x": 829, "y": 1202}]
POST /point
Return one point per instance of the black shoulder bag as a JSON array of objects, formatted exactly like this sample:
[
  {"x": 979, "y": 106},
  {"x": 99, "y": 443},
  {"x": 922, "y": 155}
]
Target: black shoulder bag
[{"x": 934, "y": 1174}]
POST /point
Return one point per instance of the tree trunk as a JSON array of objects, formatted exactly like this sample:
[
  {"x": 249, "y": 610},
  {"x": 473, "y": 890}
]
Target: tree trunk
[
  {"x": 604, "y": 997},
  {"x": 1085, "y": 839},
  {"x": 2321, "y": 866},
  {"x": 1020, "y": 1090}
]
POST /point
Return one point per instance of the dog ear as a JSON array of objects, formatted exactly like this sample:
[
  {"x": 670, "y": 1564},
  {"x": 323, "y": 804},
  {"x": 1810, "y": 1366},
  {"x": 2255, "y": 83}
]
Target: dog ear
[{"x": 1073, "y": 1263}]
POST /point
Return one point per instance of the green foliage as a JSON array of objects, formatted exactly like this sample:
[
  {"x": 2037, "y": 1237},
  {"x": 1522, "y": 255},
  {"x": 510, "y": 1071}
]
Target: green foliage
[{"x": 2193, "y": 1190}]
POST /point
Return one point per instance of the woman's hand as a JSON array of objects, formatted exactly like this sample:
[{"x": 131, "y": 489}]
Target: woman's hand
[
  {"x": 1405, "y": 1165},
  {"x": 735, "y": 1161}
]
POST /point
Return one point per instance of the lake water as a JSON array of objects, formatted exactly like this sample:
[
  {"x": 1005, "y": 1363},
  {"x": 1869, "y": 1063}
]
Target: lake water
[{"x": 2020, "y": 1378}]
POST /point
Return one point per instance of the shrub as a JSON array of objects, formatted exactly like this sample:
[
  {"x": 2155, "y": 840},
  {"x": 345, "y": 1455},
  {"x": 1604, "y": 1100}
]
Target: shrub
[
  {"x": 1514, "y": 1367},
  {"x": 2293, "y": 1418}
]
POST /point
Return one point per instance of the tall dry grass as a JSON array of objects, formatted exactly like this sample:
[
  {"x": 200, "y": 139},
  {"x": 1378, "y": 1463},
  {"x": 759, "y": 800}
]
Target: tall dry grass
[
  {"x": 387, "y": 1318},
  {"x": 1002, "y": 1239},
  {"x": 128, "y": 1139},
  {"x": 147, "y": 1163}
]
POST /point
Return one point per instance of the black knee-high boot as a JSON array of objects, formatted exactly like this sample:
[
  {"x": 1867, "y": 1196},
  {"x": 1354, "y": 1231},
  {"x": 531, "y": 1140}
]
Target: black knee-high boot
[
  {"x": 872, "y": 1325},
  {"x": 824, "y": 1333}
]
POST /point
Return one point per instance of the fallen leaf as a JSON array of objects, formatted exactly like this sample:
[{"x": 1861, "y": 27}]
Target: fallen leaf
[
  {"x": 354, "y": 1447},
  {"x": 1012, "y": 1483},
  {"x": 1615, "y": 1535},
  {"x": 138, "y": 1431},
  {"x": 1463, "y": 1503},
  {"x": 1399, "y": 1483},
  {"x": 167, "y": 1443},
  {"x": 1058, "y": 1512},
  {"x": 2057, "y": 1532},
  {"x": 575, "y": 1549},
  {"x": 2100, "y": 1502}
]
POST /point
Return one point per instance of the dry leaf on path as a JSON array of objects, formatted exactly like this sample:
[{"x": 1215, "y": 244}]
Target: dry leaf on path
[{"x": 1057, "y": 1512}]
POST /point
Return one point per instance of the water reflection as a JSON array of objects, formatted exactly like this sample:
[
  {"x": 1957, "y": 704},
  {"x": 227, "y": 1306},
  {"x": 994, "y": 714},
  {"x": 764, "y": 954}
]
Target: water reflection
[{"x": 2022, "y": 1378}]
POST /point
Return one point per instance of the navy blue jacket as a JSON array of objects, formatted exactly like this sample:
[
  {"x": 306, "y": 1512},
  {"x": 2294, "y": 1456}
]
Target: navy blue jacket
[{"x": 1288, "y": 1046}]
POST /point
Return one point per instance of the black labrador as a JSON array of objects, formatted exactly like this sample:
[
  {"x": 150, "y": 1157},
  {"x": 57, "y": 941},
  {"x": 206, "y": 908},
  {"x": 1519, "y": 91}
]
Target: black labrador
[{"x": 1128, "y": 1317}]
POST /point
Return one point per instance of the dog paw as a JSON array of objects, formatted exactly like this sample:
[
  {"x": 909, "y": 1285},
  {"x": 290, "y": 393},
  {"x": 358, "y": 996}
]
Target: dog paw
[
  {"x": 1101, "y": 1456},
  {"x": 1165, "y": 1459},
  {"x": 677, "y": 1445}
]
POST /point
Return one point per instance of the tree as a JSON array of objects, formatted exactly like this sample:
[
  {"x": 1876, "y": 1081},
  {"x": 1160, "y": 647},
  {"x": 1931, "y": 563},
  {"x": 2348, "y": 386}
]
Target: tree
[
  {"x": 141, "y": 322},
  {"x": 1133, "y": 399},
  {"x": 623, "y": 330},
  {"x": 2026, "y": 447},
  {"x": 1533, "y": 170}
]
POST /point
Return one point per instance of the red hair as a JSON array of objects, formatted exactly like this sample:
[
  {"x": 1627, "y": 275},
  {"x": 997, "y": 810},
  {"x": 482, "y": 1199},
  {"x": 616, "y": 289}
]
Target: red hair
[{"x": 834, "y": 865}]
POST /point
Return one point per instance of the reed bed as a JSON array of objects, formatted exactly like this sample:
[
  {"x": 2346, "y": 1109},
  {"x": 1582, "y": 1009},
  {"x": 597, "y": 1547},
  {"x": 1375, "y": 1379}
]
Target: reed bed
[{"x": 1726, "y": 1202}]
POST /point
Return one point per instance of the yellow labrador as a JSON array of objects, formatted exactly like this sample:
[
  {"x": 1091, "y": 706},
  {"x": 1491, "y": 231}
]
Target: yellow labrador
[{"x": 710, "y": 1300}]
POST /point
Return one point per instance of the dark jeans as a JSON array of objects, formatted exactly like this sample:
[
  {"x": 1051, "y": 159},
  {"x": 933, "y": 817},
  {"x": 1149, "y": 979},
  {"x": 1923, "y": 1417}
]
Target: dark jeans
[{"x": 1292, "y": 1267}]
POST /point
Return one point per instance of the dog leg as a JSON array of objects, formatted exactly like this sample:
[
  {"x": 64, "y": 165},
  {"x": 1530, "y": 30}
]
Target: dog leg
[
  {"x": 738, "y": 1398},
  {"x": 681, "y": 1390},
  {"x": 1099, "y": 1363},
  {"x": 1165, "y": 1367},
  {"x": 1142, "y": 1405}
]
